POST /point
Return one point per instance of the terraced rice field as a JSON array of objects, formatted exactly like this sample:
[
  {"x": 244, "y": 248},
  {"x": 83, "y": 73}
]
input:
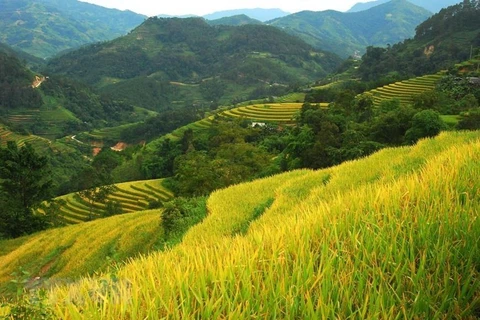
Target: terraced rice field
[
  {"x": 271, "y": 112},
  {"x": 195, "y": 126},
  {"x": 131, "y": 196},
  {"x": 37, "y": 142},
  {"x": 405, "y": 90}
]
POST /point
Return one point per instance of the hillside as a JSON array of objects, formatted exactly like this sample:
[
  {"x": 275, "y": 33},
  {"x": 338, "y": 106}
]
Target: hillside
[
  {"x": 53, "y": 107},
  {"x": 433, "y": 6},
  {"x": 446, "y": 38},
  {"x": 237, "y": 20},
  {"x": 168, "y": 60},
  {"x": 46, "y": 27},
  {"x": 32, "y": 62},
  {"x": 345, "y": 33},
  {"x": 372, "y": 238}
]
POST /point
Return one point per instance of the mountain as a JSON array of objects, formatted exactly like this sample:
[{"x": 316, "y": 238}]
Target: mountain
[
  {"x": 238, "y": 20},
  {"x": 446, "y": 38},
  {"x": 345, "y": 33},
  {"x": 257, "y": 14},
  {"x": 167, "y": 60},
  {"x": 46, "y": 27},
  {"x": 433, "y": 6}
]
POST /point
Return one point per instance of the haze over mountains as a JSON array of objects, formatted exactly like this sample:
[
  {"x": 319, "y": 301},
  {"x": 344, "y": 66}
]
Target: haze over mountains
[{"x": 433, "y": 6}]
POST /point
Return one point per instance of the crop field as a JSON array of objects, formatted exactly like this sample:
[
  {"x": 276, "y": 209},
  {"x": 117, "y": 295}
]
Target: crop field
[
  {"x": 37, "y": 142},
  {"x": 61, "y": 255},
  {"x": 404, "y": 91},
  {"x": 129, "y": 197},
  {"x": 51, "y": 118},
  {"x": 268, "y": 112},
  {"x": 391, "y": 236}
]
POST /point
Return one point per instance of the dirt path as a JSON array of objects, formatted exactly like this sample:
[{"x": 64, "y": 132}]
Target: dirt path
[{"x": 38, "y": 81}]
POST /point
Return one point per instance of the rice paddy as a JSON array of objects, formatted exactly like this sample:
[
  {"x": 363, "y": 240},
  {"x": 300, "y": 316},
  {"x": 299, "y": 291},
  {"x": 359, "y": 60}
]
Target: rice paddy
[
  {"x": 391, "y": 236},
  {"x": 128, "y": 197},
  {"x": 404, "y": 91}
]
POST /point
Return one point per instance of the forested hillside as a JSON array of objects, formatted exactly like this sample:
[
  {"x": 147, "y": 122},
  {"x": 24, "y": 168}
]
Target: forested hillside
[
  {"x": 345, "y": 33},
  {"x": 164, "y": 57},
  {"x": 446, "y": 38},
  {"x": 46, "y": 27}
]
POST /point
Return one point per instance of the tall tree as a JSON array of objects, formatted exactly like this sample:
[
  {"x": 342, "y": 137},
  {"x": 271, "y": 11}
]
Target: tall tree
[{"x": 25, "y": 184}]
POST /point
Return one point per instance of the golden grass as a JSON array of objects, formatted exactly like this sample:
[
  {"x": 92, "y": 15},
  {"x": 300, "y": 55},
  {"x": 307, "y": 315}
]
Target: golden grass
[
  {"x": 391, "y": 236},
  {"x": 63, "y": 254}
]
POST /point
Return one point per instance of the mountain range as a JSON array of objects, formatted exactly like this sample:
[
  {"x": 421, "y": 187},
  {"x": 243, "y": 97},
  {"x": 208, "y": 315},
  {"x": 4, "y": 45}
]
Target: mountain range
[
  {"x": 46, "y": 27},
  {"x": 165, "y": 55},
  {"x": 345, "y": 33},
  {"x": 433, "y": 6}
]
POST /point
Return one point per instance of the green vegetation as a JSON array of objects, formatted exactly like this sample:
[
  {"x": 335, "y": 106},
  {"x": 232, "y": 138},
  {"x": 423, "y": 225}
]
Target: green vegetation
[
  {"x": 345, "y": 33},
  {"x": 24, "y": 184},
  {"x": 164, "y": 61},
  {"x": 46, "y": 28},
  {"x": 446, "y": 38},
  {"x": 236, "y": 20}
]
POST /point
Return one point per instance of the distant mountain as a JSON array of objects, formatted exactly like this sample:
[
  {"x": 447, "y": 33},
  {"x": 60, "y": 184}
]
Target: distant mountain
[
  {"x": 430, "y": 5},
  {"x": 444, "y": 39},
  {"x": 345, "y": 33},
  {"x": 238, "y": 20},
  {"x": 153, "y": 64},
  {"x": 45, "y": 27},
  {"x": 257, "y": 14}
]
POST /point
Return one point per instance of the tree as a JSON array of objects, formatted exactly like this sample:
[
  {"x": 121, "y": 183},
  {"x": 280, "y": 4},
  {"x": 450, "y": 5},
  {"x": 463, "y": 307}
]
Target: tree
[
  {"x": 426, "y": 123},
  {"x": 95, "y": 186},
  {"x": 24, "y": 185}
]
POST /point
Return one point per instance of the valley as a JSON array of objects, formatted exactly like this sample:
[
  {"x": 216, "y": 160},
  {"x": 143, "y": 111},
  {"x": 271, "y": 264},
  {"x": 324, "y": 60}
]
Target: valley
[{"x": 235, "y": 166}]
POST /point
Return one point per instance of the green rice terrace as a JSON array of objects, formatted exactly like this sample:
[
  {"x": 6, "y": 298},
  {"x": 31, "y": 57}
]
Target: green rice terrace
[
  {"x": 268, "y": 112},
  {"x": 405, "y": 90},
  {"x": 127, "y": 197},
  {"x": 37, "y": 142},
  {"x": 47, "y": 122}
]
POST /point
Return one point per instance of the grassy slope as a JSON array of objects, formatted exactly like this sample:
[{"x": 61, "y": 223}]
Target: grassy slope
[
  {"x": 391, "y": 236},
  {"x": 64, "y": 254}
]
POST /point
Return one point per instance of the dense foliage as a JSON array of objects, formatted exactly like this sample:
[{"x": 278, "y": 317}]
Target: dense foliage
[
  {"x": 15, "y": 85},
  {"x": 446, "y": 38},
  {"x": 25, "y": 184}
]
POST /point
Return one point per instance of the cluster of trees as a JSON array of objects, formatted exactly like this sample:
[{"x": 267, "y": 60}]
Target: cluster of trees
[
  {"x": 85, "y": 103},
  {"x": 24, "y": 185},
  {"x": 15, "y": 85}
]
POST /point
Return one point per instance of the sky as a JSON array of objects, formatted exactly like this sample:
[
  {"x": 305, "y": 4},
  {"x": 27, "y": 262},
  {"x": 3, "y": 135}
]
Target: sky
[{"x": 203, "y": 7}]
